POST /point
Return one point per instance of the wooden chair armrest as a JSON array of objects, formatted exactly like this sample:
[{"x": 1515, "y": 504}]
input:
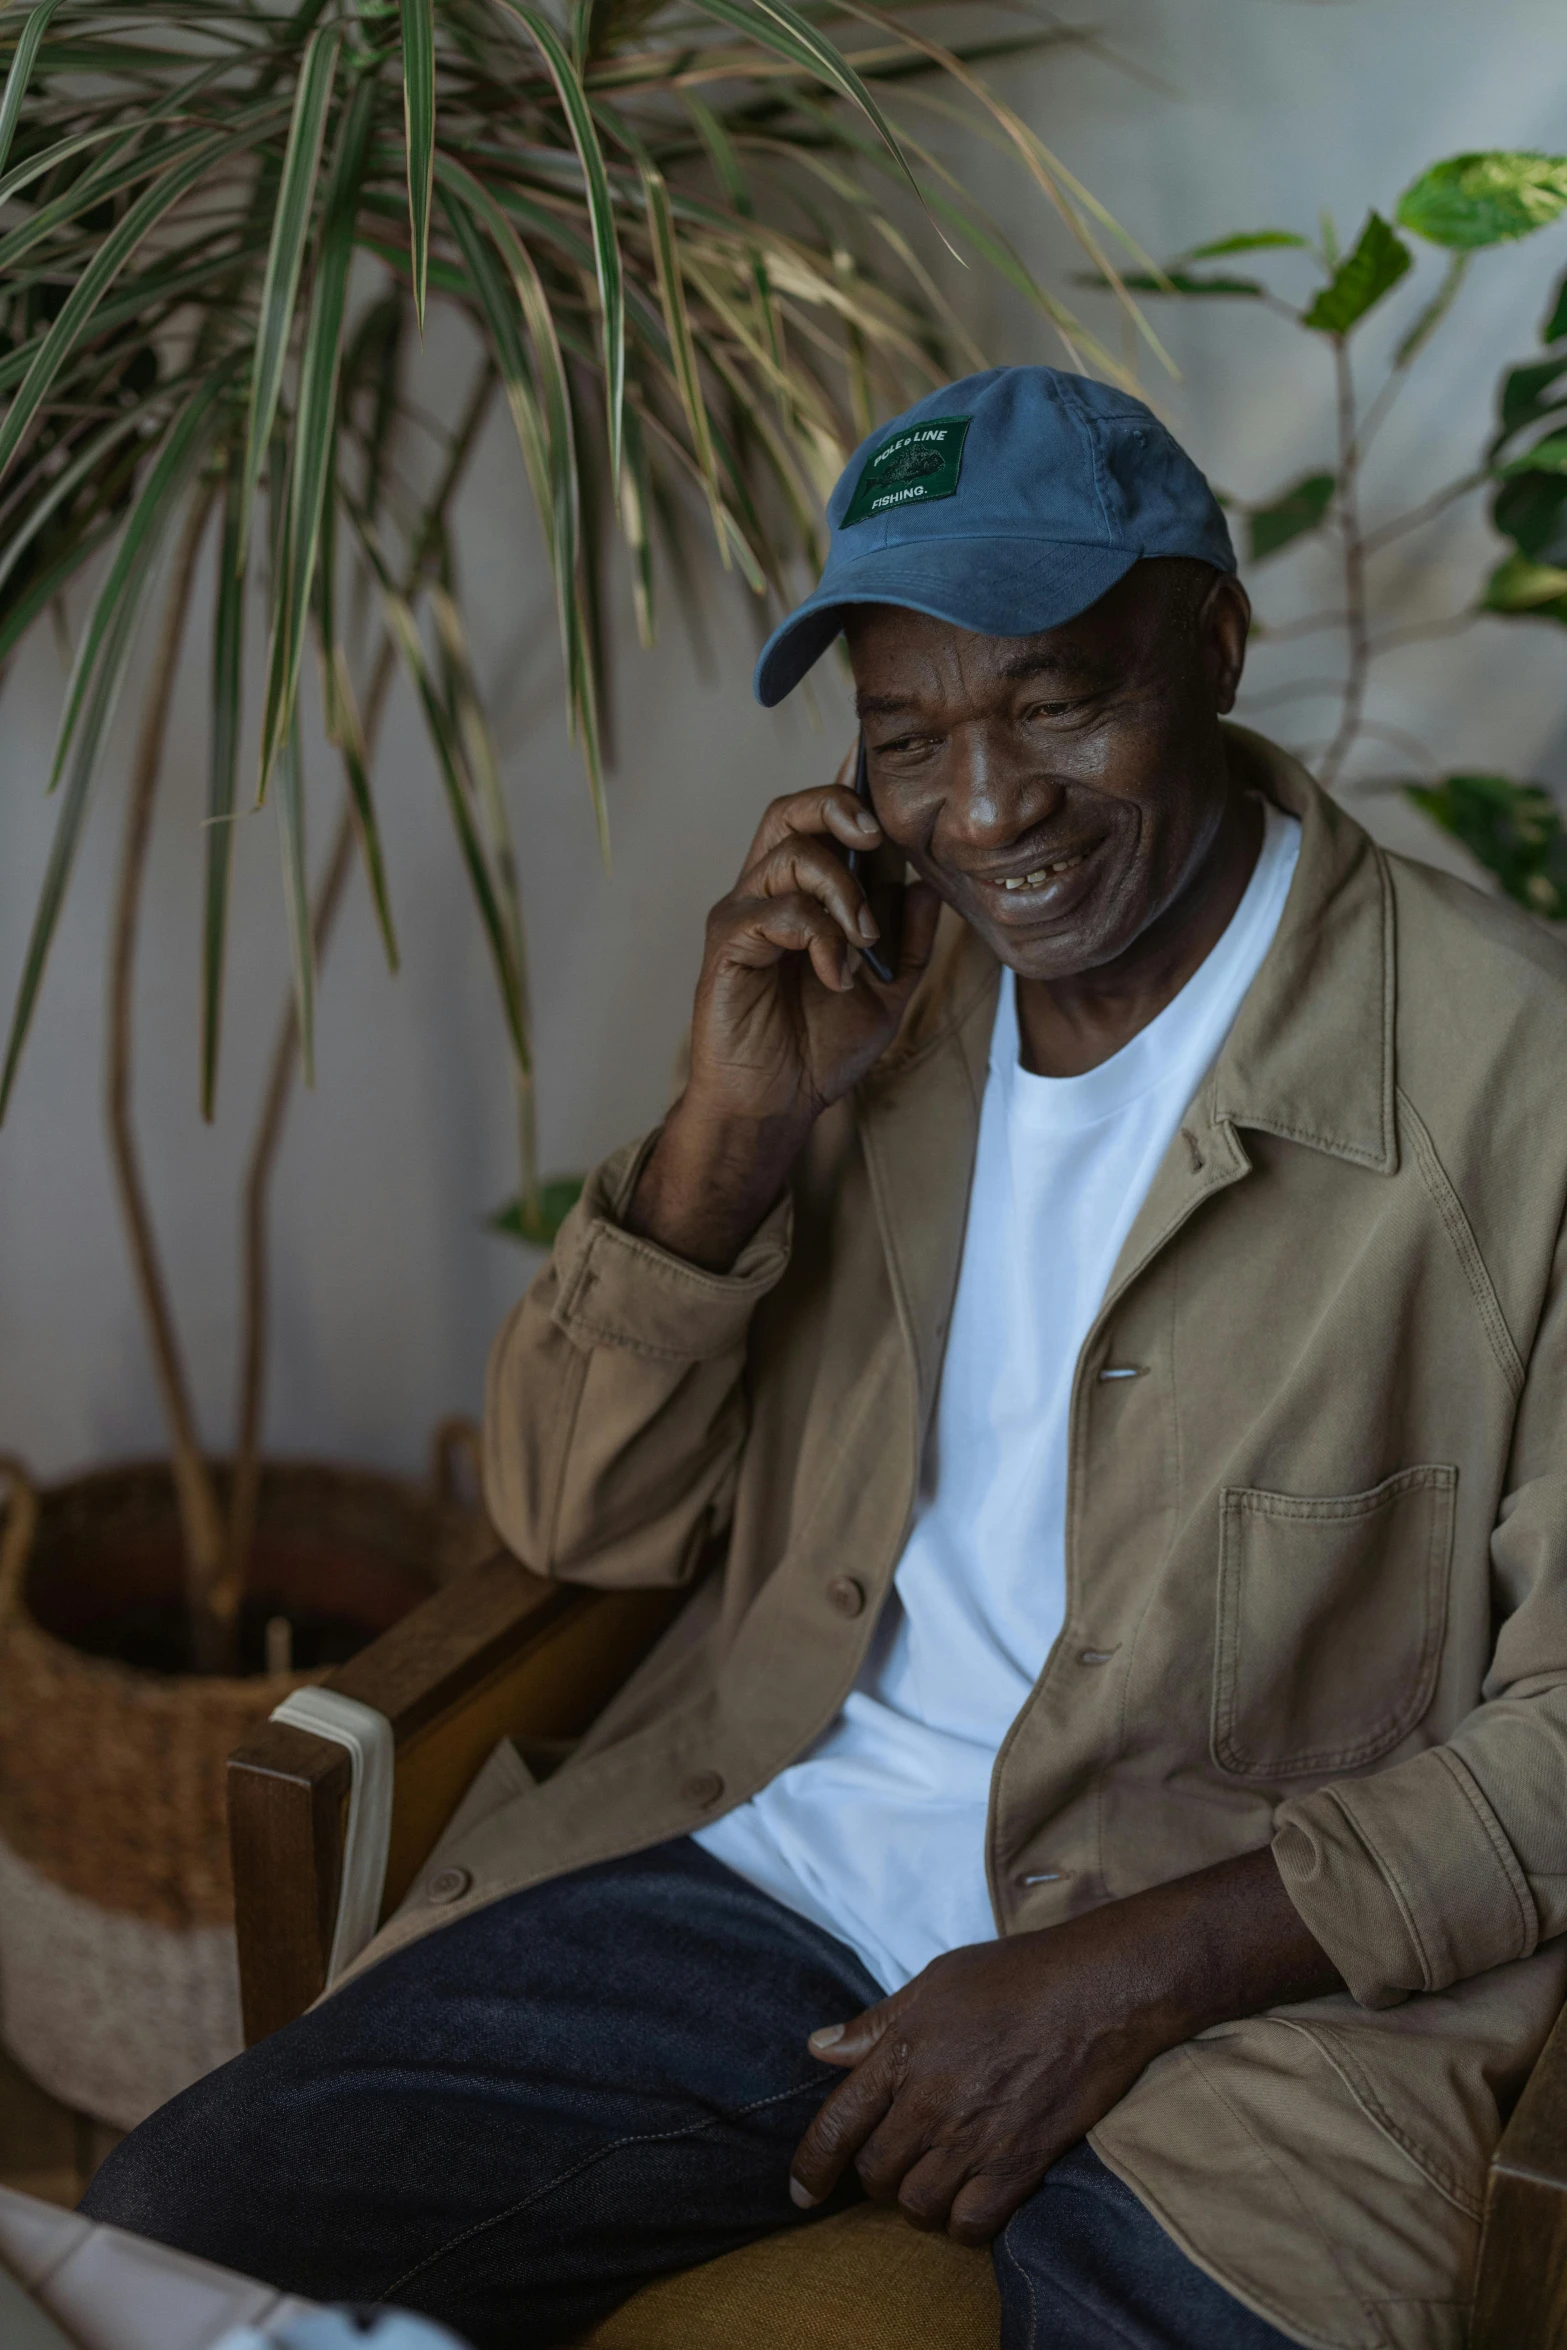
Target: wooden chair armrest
[
  {"x": 1521, "y": 2287},
  {"x": 499, "y": 1652}
]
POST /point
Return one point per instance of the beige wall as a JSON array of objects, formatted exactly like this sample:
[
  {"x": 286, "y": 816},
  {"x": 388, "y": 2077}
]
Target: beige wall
[{"x": 1248, "y": 113}]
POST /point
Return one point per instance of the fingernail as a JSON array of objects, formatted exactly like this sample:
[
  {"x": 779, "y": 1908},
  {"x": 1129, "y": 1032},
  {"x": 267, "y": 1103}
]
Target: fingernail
[
  {"x": 869, "y": 926},
  {"x": 801, "y": 2197},
  {"x": 828, "y": 2037},
  {"x": 865, "y": 820}
]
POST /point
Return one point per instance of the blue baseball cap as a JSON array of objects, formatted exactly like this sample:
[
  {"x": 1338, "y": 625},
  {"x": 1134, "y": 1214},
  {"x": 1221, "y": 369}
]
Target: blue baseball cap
[{"x": 1006, "y": 503}]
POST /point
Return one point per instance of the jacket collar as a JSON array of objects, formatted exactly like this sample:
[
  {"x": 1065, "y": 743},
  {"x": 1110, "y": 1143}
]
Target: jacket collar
[{"x": 1311, "y": 1055}]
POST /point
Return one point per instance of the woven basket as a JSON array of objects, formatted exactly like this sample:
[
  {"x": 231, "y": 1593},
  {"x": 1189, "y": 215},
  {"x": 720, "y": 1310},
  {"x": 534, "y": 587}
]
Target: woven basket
[{"x": 118, "y": 1979}]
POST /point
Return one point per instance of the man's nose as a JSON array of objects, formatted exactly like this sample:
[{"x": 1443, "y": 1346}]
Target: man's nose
[{"x": 995, "y": 794}]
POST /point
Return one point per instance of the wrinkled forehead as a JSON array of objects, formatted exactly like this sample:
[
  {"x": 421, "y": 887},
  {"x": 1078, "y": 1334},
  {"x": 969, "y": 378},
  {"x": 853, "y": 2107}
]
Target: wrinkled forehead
[{"x": 908, "y": 660}]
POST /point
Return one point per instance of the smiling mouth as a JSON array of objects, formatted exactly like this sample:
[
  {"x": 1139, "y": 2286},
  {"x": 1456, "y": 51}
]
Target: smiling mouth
[{"x": 1043, "y": 873}]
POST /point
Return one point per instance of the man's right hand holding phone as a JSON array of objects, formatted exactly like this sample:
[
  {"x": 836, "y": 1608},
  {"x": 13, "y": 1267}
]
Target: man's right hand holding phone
[{"x": 788, "y": 1019}]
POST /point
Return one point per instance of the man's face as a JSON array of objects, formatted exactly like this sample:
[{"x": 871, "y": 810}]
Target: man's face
[{"x": 1063, "y": 790}]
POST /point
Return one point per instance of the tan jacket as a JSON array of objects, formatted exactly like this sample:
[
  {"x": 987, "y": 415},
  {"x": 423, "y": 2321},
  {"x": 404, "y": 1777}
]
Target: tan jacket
[{"x": 1316, "y": 1550}]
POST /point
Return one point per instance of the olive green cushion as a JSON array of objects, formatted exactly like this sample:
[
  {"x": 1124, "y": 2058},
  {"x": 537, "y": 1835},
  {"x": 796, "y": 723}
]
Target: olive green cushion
[{"x": 864, "y": 2280}]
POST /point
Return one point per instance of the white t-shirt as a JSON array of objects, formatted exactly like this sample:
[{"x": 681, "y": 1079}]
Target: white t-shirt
[{"x": 878, "y": 1833}]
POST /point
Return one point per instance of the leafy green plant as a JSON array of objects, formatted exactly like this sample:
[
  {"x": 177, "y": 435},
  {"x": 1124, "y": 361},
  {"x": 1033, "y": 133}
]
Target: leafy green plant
[
  {"x": 678, "y": 235},
  {"x": 1461, "y": 207}
]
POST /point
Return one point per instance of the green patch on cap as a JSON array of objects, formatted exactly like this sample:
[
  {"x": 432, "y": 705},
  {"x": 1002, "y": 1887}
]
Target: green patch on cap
[{"x": 915, "y": 466}]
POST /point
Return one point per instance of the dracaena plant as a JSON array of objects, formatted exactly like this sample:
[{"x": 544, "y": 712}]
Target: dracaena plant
[
  {"x": 1461, "y": 207},
  {"x": 698, "y": 244}
]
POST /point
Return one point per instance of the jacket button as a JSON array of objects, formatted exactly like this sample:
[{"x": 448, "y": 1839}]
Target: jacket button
[
  {"x": 847, "y": 1596},
  {"x": 704, "y": 1787},
  {"x": 448, "y": 1885}
]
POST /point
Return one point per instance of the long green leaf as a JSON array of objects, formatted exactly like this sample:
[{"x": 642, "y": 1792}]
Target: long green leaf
[
  {"x": 356, "y": 769},
  {"x": 447, "y": 746},
  {"x": 419, "y": 131},
  {"x": 93, "y": 284},
  {"x": 714, "y": 134},
  {"x": 222, "y": 767},
  {"x": 781, "y": 28},
  {"x": 17, "y": 79},
  {"x": 601, "y": 213},
  {"x": 682, "y": 348},
  {"x": 467, "y": 708},
  {"x": 61, "y": 487},
  {"x": 296, "y": 892},
  {"x": 138, "y": 546},
  {"x": 314, "y": 429},
  {"x": 285, "y": 255},
  {"x": 636, "y": 509},
  {"x": 131, "y": 158},
  {"x": 546, "y": 432},
  {"x": 100, "y": 672},
  {"x": 52, "y": 582}
]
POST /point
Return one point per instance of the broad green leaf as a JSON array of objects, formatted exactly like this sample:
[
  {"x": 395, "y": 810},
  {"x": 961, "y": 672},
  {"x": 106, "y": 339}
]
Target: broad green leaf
[
  {"x": 419, "y": 132},
  {"x": 17, "y": 79},
  {"x": 1547, "y": 456},
  {"x": 285, "y": 254},
  {"x": 1556, "y": 325},
  {"x": 1487, "y": 199},
  {"x": 601, "y": 211},
  {"x": 100, "y": 671},
  {"x": 1519, "y": 585},
  {"x": 296, "y": 892},
  {"x": 1260, "y": 240},
  {"x": 314, "y": 428},
  {"x": 1379, "y": 259},
  {"x": 1529, "y": 394},
  {"x": 1300, "y": 509},
  {"x": 107, "y": 262},
  {"x": 1513, "y": 829},
  {"x": 228, "y": 630},
  {"x": 1531, "y": 510},
  {"x": 536, "y": 1220}
]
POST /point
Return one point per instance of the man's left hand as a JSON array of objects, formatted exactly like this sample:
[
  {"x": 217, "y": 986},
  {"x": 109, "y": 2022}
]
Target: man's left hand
[{"x": 965, "y": 2086}]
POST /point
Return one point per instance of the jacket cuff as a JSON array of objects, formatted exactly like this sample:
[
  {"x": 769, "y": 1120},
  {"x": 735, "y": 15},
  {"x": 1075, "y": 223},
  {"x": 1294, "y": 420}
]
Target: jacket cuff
[
  {"x": 1406, "y": 1879},
  {"x": 618, "y": 1289}
]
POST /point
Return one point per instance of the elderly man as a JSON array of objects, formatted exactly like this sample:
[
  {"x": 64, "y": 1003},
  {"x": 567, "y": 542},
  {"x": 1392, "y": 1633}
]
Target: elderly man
[{"x": 1104, "y": 1385}]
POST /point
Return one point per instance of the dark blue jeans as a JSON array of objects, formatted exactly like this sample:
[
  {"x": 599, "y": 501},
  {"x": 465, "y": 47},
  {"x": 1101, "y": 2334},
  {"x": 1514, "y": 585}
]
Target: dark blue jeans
[{"x": 515, "y": 2122}]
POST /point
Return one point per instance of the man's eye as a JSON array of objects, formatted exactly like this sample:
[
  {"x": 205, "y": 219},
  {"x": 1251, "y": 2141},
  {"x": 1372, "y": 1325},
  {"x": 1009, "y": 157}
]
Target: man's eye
[{"x": 1050, "y": 710}]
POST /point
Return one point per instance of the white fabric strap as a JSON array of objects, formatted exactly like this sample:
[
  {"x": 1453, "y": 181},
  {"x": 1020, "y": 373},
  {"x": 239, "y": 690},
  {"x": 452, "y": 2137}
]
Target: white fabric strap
[{"x": 368, "y": 1738}]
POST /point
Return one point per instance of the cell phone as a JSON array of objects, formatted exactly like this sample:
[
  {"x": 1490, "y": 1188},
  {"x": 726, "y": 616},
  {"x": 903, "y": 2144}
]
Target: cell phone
[{"x": 880, "y": 873}]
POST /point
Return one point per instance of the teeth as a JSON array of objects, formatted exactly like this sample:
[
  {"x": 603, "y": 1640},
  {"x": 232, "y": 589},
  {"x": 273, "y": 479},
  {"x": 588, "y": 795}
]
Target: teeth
[{"x": 1044, "y": 873}]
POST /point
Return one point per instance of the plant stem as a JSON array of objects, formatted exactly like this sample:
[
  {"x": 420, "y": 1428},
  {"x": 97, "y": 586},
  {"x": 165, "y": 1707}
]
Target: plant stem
[
  {"x": 1356, "y": 623},
  {"x": 255, "y": 1272},
  {"x": 201, "y": 1525},
  {"x": 256, "y": 1268}
]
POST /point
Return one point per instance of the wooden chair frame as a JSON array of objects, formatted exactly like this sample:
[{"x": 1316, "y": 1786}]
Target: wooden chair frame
[{"x": 500, "y": 1652}]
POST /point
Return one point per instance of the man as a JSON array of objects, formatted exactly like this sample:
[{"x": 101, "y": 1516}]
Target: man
[{"x": 1104, "y": 1388}]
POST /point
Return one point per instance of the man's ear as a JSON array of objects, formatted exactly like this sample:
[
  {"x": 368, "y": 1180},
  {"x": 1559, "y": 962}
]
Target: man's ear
[{"x": 1224, "y": 624}]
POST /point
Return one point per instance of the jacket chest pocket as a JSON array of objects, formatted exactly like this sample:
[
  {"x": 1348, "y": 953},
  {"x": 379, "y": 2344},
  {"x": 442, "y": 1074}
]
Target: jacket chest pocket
[{"x": 1331, "y": 1617}]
